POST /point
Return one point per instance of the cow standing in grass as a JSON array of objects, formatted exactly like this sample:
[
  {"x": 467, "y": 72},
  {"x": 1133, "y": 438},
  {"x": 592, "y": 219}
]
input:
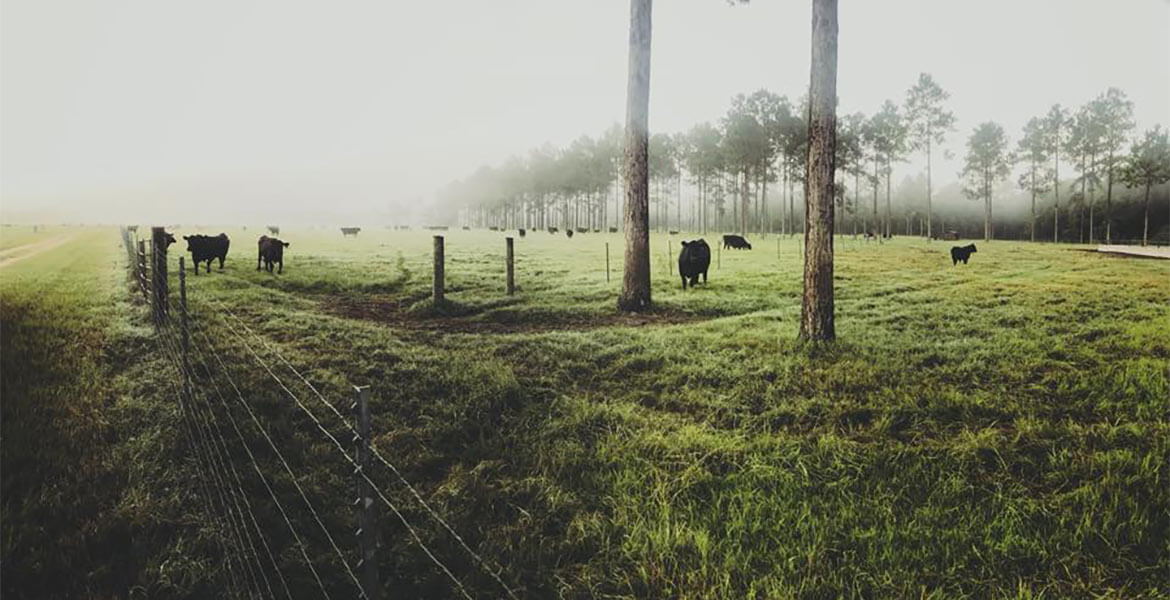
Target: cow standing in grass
[
  {"x": 271, "y": 251},
  {"x": 694, "y": 260},
  {"x": 205, "y": 248},
  {"x": 962, "y": 253},
  {"x": 736, "y": 241}
]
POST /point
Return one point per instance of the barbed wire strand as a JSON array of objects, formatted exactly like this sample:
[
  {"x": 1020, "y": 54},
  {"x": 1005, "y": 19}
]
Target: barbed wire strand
[
  {"x": 410, "y": 528},
  {"x": 402, "y": 479}
]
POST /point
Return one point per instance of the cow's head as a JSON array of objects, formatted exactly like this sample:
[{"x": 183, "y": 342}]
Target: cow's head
[
  {"x": 168, "y": 238},
  {"x": 285, "y": 244}
]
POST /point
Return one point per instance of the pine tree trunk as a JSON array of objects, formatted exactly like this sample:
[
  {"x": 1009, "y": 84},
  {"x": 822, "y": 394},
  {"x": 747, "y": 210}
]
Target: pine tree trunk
[
  {"x": 929, "y": 207},
  {"x": 1109, "y": 202},
  {"x": 816, "y": 315},
  {"x": 1146, "y": 221},
  {"x": 1056, "y": 192},
  {"x": 635, "y": 294},
  {"x": 889, "y": 216}
]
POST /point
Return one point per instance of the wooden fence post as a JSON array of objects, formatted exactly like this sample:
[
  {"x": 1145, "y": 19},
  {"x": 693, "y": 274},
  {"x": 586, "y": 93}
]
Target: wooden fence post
[
  {"x": 437, "y": 288},
  {"x": 511, "y": 273},
  {"x": 607, "y": 262},
  {"x": 158, "y": 274},
  {"x": 367, "y": 509}
]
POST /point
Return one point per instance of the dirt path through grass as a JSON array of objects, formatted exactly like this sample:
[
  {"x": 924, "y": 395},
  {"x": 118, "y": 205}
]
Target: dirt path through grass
[{"x": 19, "y": 253}]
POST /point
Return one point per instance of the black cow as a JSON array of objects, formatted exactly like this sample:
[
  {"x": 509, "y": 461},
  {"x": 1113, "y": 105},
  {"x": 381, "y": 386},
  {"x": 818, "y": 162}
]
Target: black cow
[
  {"x": 735, "y": 241},
  {"x": 493, "y": 228},
  {"x": 552, "y": 230},
  {"x": 582, "y": 230},
  {"x": 613, "y": 229},
  {"x": 672, "y": 232},
  {"x": 204, "y": 248},
  {"x": 693, "y": 260},
  {"x": 962, "y": 253},
  {"x": 348, "y": 231},
  {"x": 569, "y": 232},
  {"x": 274, "y": 230},
  {"x": 271, "y": 251},
  {"x": 522, "y": 232},
  {"x": 466, "y": 228}
]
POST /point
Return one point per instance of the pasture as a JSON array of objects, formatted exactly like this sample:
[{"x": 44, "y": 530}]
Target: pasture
[{"x": 992, "y": 430}]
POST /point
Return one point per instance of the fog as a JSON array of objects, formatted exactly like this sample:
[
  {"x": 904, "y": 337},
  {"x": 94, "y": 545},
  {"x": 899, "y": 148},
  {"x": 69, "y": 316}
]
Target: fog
[{"x": 299, "y": 112}]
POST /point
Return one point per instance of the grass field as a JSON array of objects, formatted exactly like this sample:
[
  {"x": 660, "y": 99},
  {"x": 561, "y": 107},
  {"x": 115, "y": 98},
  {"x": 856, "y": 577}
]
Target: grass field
[{"x": 994, "y": 430}]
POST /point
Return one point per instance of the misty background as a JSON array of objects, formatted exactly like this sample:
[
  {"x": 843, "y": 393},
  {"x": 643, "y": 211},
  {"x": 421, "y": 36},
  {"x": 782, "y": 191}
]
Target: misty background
[{"x": 298, "y": 112}]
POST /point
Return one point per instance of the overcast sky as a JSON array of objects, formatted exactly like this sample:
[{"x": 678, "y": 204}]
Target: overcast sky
[{"x": 147, "y": 109}]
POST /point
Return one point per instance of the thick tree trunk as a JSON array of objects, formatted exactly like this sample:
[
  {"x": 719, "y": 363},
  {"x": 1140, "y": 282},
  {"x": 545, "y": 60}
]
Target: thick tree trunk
[
  {"x": 635, "y": 294},
  {"x": 816, "y": 315}
]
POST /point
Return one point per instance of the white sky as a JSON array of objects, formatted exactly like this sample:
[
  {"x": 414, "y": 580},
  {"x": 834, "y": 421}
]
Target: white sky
[{"x": 128, "y": 110}]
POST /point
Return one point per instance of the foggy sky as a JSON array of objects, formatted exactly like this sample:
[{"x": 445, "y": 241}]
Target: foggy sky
[{"x": 286, "y": 111}]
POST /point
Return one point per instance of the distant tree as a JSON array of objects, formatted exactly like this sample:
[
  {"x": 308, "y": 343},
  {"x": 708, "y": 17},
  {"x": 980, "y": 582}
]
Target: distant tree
[
  {"x": 887, "y": 130},
  {"x": 1113, "y": 112},
  {"x": 850, "y": 160},
  {"x": 702, "y": 159},
  {"x": 1147, "y": 165},
  {"x": 816, "y": 315},
  {"x": 746, "y": 148},
  {"x": 1032, "y": 150},
  {"x": 927, "y": 124},
  {"x": 1084, "y": 144},
  {"x": 663, "y": 168},
  {"x": 988, "y": 161},
  {"x": 792, "y": 138},
  {"x": 1055, "y": 136},
  {"x": 635, "y": 295}
]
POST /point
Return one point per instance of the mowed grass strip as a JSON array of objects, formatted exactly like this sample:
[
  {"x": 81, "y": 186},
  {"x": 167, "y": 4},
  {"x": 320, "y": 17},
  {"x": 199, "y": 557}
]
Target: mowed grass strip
[{"x": 991, "y": 430}]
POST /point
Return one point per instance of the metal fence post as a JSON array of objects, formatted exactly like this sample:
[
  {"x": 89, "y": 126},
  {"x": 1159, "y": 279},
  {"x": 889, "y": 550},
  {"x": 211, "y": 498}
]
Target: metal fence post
[
  {"x": 367, "y": 509},
  {"x": 437, "y": 288},
  {"x": 140, "y": 270},
  {"x": 158, "y": 274},
  {"x": 511, "y": 279},
  {"x": 183, "y": 331}
]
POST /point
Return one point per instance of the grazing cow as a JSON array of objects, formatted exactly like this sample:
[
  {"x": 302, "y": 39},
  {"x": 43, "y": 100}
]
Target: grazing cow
[
  {"x": 962, "y": 253},
  {"x": 693, "y": 260},
  {"x": 552, "y": 230},
  {"x": 350, "y": 231},
  {"x": 596, "y": 231},
  {"x": 735, "y": 241},
  {"x": 522, "y": 232},
  {"x": 613, "y": 229},
  {"x": 466, "y": 228},
  {"x": 271, "y": 251},
  {"x": 569, "y": 232},
  {"x": 274, "y": 230},
  {"x": 672, "y": 232},
  {"x": 582, "y": 230},
  {"x": 493, "y": 228},
  {"x": 204, "y": 248}
]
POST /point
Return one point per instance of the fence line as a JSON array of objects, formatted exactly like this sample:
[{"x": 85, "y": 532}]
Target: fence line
[
  {"x": 238, "y": 486},
  {"x": 414, "y": 492},
  {"x": 221, "y": 488},
  {"x": 215, "y": 464},
  {"x": 332, "y": 438},
  {"x": 199, "y": 450}
]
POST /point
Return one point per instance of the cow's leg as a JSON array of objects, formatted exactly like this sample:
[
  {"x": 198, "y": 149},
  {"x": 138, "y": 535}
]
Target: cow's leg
[
  {"x": 196, "y": 266},
  {"x": 704, "y": 277},
  {"x": 259, "y": 256},
  {"x": 280, "y": 267},
  {"x": 220, "y": 263}
]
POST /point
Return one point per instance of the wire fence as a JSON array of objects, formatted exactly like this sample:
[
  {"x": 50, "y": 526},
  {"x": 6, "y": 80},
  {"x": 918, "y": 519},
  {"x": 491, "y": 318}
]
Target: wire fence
[{"x": 278, "y": 533}]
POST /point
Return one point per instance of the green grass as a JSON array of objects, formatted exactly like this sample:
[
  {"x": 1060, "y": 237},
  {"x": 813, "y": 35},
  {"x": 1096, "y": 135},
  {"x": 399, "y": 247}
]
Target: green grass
[{"x": 994, "y": 430}]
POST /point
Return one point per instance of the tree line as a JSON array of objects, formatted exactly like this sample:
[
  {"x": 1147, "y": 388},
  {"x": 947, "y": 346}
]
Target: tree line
[{"x": 760, "y": 144}]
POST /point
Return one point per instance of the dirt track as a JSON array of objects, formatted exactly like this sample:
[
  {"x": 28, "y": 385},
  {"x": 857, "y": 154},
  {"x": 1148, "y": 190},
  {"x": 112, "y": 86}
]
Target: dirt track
[{"x": 19, "y": 253}]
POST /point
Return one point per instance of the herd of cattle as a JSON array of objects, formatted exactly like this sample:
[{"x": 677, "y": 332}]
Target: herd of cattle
[{"x": 694, "y": 259}]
